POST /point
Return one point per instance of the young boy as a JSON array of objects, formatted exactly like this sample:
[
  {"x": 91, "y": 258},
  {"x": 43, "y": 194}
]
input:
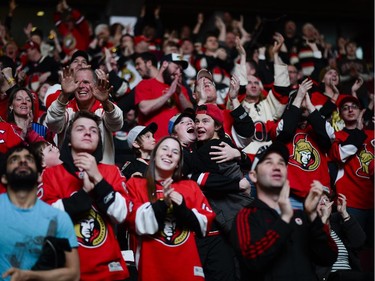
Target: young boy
[
  {"x": 48, "y": 153},
  {"x": 142, "y": 140}
]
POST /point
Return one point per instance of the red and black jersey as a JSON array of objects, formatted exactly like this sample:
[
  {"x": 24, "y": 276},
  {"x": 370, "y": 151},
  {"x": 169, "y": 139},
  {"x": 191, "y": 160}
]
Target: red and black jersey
[
  {"x": 93, "y": 215},
  {"x": 354, "y": 151},
  {"x": 167, "y": 235},
  {"x": 8, "y": 137}
]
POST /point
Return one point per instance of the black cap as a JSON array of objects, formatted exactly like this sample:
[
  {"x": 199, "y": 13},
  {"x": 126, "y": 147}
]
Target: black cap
[
  {"x": 188, "y": 112},
  {"x": 276, "y": 147},
  {"x": 79, "y": 53},
  {"x": 176, "y": 58}
]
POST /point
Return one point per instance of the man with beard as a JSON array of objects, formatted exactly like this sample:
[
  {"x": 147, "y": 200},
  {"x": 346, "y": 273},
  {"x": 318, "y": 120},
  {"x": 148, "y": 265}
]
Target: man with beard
[
  {"x": 26, "y": 221},
  {"x": 159, "y": 99}
]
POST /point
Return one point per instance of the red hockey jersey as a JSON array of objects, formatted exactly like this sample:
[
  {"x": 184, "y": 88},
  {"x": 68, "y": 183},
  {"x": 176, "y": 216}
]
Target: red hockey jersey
[
  {"x": 99, "y": 251},
  {"x": 169, "y": 253},
  {"x": 355, "y": 178}
]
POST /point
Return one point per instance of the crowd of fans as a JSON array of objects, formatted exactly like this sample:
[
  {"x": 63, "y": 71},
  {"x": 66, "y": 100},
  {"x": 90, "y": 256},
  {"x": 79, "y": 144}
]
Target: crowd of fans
[{"x": 204, "y": 101}]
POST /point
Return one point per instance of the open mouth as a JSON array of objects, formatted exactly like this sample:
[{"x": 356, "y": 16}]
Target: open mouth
[
  {"x": 277, "y": 176},
  {"x": 200, "y": 132},
  {"x": 166, "y": 160}
]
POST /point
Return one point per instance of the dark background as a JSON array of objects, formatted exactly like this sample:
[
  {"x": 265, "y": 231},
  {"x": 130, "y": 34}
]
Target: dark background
[{"x": 350, "y": 18}]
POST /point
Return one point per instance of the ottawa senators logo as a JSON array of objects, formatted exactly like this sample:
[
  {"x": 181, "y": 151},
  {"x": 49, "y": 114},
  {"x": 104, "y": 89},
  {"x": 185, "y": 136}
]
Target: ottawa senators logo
[
  {"x": 69, "y": 42},
  {"x": 91, "y": 230},
  {"x": 305, "y": 156},
  {"x": 365, "y": 157},
  {"x": 171, "y": 235},
  {"x": 127, "y": 74}
]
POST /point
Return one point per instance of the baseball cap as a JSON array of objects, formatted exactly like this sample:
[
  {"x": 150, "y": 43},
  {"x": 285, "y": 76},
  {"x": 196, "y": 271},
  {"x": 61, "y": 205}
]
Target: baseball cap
[
  {"x": 204, "y": 73},
  {"x": 342, "y": 99},
  {"x": 212, "y": 110},
  {"x": 140, "y": 38},
  {"x": 140, "y": 130},
  {"x": 30, "y": 44},
  {"x": 176, "y": 58},
  {"x": 79, "y": 53},
  {"x": 265, "y": 150},
  {"x": 189, "y": 112}
]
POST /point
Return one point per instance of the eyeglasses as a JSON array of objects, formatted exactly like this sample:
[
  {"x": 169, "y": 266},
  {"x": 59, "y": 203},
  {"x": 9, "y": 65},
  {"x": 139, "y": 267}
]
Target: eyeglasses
[{"x": 348, "y": 107}]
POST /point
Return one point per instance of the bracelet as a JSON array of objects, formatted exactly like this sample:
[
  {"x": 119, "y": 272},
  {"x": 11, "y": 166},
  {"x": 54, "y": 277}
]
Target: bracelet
[{"x": 346, "y": 218}]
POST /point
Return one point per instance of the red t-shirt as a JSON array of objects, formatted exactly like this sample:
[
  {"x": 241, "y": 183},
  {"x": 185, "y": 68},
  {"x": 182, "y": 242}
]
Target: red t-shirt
[{"x": 152, "y": 89}]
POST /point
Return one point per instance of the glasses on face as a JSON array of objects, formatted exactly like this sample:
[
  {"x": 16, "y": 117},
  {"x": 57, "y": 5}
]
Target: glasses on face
[{"x": 348, "y": 107}]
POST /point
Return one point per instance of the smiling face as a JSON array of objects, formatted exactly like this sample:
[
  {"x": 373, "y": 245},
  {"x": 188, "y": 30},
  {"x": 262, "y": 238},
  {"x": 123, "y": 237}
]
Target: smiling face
[
  {"x": 86, "y": 83},
  {"x": 21, "y": 104},
  {"x": 185, "y": 131},
  {"x": 331, "y": 75},
  {"x": 172, "y": 70},
  {"x": 143, "y": 67},
  {"x": 84, "y": 136},
  {"x": 167, "y": 158},
  {"x": 206, "y": 128}
]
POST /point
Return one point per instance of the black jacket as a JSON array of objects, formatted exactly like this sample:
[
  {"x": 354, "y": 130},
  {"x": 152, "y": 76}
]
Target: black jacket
[
  {"x": 352, "y": 235},
  {"x": 270, "y": 249}
]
